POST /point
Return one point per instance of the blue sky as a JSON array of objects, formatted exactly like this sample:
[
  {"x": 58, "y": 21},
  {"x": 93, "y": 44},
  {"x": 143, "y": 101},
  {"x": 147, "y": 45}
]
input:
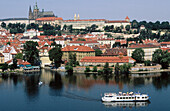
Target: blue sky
[{"x": 149, "y": 10}]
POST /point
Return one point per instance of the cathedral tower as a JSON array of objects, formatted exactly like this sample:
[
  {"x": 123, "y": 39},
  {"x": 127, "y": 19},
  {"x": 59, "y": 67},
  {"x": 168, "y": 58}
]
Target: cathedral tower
[
  {"x": 36, "y": 11},
  {"x": 30, "y": 14}
]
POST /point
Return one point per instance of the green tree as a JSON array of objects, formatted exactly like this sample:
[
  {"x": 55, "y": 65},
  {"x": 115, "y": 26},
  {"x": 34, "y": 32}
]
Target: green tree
[
  {"x": 117, "y": 68},
  {"x": 81, "y": 39},
  {"x": 94, "y": 69},
  {"x": 55, "y": 55},
  {"x": 127, "y": 27},
  {"x": 8, "y": 43},
  {"x": 162, "y": 58},
  {"x": 31, "y": 53},
  {"x": 87, "y": 69},
  {"x": 147, "y": 63},
  {"x": 19, "y": 56},
  {"x": 98, "y": 52},
  {"x": 69, "y": 69},
  {"x": 106, "y": 69},
  {"x": 138, "y": 55},
  {"x": 3, "y": 25},
  {"x": 70, "y": 28},
  {"x": 4, "y": 67}
]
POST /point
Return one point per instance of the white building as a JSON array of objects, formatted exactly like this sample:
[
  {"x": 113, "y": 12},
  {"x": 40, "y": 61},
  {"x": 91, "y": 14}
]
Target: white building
[{"x": 9, "y": 52}]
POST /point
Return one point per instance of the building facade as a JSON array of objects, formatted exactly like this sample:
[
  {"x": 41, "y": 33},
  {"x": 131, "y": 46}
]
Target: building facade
[
  {"x": 148, "y": 49},
  {"x": 86, "y": 61},
  {"x": 80, "y": 51}
]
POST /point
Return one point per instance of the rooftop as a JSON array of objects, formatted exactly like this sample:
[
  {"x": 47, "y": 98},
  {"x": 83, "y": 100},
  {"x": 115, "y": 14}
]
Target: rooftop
[{"x": 78, "y": 49}]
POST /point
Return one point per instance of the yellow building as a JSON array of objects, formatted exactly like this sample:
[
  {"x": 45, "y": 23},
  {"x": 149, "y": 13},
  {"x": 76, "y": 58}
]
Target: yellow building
[
  {"x": 148, "y": 49},
  {"x": 1, "y": 58},
  {"x": 81, "y": 52}
]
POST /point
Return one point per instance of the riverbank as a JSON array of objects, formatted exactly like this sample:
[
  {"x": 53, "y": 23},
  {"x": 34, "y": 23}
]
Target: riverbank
[{"x": 153, "y": 71}]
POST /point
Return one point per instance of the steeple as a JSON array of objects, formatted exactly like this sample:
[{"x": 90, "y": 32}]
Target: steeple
[
  {"x": 75, "y": 17},
  {"x": 78, "y": 17},
  {"x": 36, "y": 6},
  {"x": 30, "y": 13}
]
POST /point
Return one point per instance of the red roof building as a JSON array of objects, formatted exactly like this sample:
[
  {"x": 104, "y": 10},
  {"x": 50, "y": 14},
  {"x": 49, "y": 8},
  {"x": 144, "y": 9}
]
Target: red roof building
[{"x": 86, "y": 61}]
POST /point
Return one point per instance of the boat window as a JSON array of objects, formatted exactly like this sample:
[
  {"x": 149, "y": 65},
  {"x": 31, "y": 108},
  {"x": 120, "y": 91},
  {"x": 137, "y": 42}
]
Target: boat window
[
  {"x": 142, "y": 97},
  {"x": 138, "y": 97},
  {"x": 145, "y": 97},
  {"x": 110, "y": 96},
  {"x": 120, "y": 97},
  {"x": 130, "y": 97},
  {"x": 126, "y": 97},
  {"x": 123, "y": 97},
  {"x": 117, "y": 97}
]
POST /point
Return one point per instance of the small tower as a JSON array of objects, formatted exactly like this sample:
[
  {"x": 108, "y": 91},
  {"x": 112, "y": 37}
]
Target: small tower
[
  {"x": 75, "y": 17},
  {"x": 127, "y": 19},
  {"x": 78, "y": 17},
  {"x": 30, "y": 14}
]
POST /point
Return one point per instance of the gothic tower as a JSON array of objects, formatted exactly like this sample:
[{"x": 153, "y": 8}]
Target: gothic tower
[
  {"x": 36, "y": 11},
  {"x": 30, "y": 14}
]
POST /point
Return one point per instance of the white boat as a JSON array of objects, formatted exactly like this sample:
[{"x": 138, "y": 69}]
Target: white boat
[
  {"x": 124, "y": 97},
  {"x": 40, "y": 83}
]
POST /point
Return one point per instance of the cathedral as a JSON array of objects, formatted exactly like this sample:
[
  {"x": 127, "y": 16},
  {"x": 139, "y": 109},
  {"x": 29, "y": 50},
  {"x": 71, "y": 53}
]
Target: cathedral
[{"x": 36, "y": 13}]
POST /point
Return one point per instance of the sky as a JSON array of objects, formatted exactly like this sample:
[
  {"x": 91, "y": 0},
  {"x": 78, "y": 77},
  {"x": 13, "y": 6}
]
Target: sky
[{"x": 149, "y": 10}]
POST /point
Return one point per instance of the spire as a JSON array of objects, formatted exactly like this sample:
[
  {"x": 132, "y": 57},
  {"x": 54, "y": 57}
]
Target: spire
[
  {"x": 75, "y": 17},
  {"x": 36, "y": 6},
  {"x": 78, "y": 17},
  {"x": 30, "y": 13},
  {"x": 30, "y": 9},
  {"x": 127, "y": 18}
]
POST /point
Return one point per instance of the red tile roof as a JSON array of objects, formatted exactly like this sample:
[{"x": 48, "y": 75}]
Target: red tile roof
[
  {"x": 143, "y": 46},
  {"x": 84, "y": 20},
  {"x": 78, "y": 49},
  {"x": 115, "y": 52},
  {"x": 127, "y": 17},
  {"x": 1, "y": 55},
  {"x": 123, "y": 59},
  {"x": 163, "y": 43},
  {"x": 49, "y": 19},
  {"x": 84, "y": 42},
  {"x": 117, "y": 21}
]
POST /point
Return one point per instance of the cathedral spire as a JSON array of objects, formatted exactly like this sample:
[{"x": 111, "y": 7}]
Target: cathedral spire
[{"x": 30, "y": 13}]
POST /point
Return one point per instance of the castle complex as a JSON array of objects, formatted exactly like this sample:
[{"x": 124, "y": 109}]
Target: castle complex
[
  {"x": 38, "y": 14},
  {"x": 48, "y": 17}
]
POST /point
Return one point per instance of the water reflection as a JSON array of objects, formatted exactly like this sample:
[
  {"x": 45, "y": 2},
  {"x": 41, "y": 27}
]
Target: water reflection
[
  {"x": 126, "y": 104},
  {"x": 56, "y": 85},
  {"x": 31, "y": 85}
]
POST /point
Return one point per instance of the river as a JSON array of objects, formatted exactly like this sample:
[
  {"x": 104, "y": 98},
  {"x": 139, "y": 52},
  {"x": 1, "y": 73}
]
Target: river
[{"x": 79, "y": 92}]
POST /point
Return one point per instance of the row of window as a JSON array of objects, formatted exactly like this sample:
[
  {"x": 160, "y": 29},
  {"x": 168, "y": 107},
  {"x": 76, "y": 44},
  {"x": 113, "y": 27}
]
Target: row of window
[{"x": 131, "y": 97}]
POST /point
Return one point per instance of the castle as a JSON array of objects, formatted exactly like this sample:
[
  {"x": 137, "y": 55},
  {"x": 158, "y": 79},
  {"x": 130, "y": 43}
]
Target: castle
[{"x": 36, "y": 13}]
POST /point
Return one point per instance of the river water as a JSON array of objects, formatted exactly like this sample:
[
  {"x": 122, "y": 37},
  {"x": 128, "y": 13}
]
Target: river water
[{"x": 79, "y": 92}]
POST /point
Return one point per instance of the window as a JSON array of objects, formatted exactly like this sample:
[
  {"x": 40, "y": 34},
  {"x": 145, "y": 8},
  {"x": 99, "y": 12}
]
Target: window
[
  {"x": 123, "y": 97},
  {"x": 138, "y": 97},
  {"x": 133, "y": 97},
  {"x": 120, "y": 97},
  {"x": 130, "y": 97},
  {"x": 117, "y": 97},
  {"x": 126, "y": 97},
  {"x": 142, "y": 97}
]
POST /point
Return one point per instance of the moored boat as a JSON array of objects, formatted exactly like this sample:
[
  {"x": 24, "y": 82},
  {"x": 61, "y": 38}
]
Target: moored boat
[{"x": 125, "y": 97}]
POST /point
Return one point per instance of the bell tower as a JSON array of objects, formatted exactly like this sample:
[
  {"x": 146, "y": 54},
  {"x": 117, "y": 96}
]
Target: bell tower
[{"x": 36, "y": 11}]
